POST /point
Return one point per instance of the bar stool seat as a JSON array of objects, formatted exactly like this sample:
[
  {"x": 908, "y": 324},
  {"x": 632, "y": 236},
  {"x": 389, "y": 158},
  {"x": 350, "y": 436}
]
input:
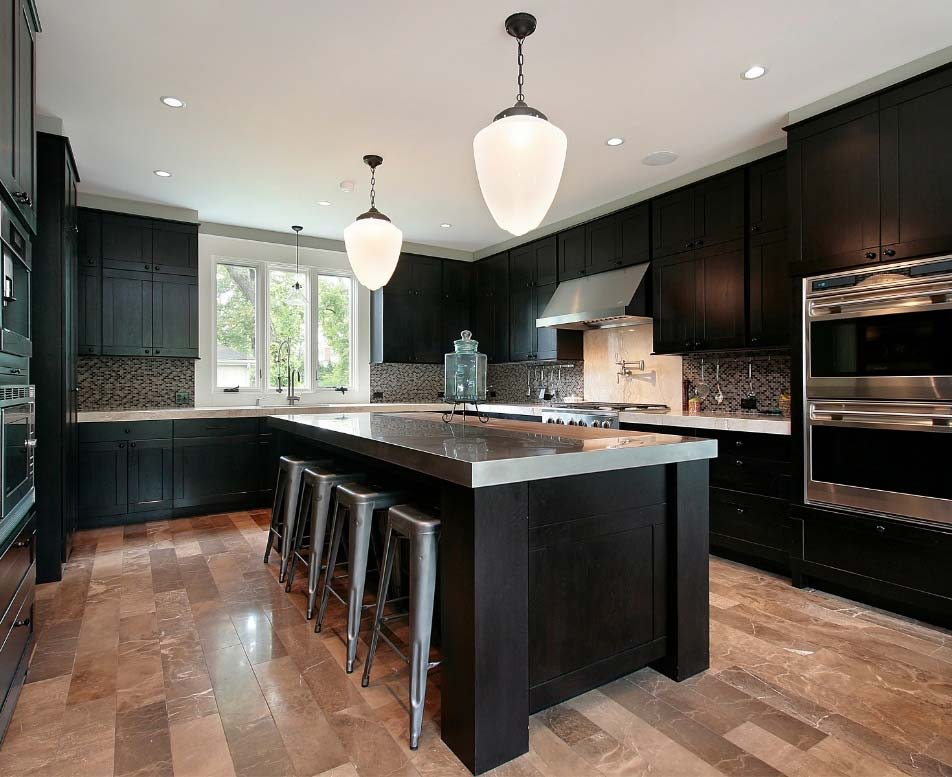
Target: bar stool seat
[
  {"x": 318, "y": 501},
  {"x": 422, "y": 529},
  {"x": 284, "y": 509},
  {"x": 360, "y": 501}
]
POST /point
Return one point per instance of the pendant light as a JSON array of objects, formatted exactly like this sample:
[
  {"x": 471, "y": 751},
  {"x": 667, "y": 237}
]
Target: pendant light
[
  {"x": 520, "y": 155},
  {"x": 297, "y": 258},
  {"x": 373, "y": 243}
]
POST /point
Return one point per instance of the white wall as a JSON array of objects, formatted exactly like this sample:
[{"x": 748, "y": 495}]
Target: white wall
[{"x": 212, "y": 246}]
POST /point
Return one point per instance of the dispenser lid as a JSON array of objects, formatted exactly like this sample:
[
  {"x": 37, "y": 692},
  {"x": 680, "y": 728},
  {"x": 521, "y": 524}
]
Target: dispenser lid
[{"x": 466, "y": 343}]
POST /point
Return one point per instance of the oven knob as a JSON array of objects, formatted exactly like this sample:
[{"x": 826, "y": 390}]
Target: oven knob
[
  {"x": 548, "y": 420},
  {"x": 582, "y": 423},
  {"x": 571, "y": 422},
  {"x": 606, "y": 424},
  {"x": 559, "y": 421}
]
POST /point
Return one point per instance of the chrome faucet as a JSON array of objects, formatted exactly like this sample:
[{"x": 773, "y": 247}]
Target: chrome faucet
[{"x": 292, "y": 398}]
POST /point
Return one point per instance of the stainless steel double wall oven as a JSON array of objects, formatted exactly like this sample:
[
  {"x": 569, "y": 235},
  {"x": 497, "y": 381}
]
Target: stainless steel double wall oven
[{"x": 877, "y": 352}]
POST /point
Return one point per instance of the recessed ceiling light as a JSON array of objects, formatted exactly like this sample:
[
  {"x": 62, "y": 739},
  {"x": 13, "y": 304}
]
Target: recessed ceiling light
[
  {"x": 346, "y": 186},
  {"x": 162, "y": 173},
  {"x": 323, "y": 203},
  {"x": 754, "y": 71},
  {"x": 657, "y": 158},
  {"x": 446, "y": 225},
  {"x": 614, "y": 141},
  {"x": 173, "y": 102}
]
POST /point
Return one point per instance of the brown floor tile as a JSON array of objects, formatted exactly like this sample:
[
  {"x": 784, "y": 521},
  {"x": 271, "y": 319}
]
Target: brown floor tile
[
  {"x": 199, "y": 749},
  {"x": 142, "y": 742}
]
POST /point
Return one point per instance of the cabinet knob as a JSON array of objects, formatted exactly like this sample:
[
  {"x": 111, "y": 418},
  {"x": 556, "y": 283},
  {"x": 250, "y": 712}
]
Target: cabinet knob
[
  {"x": 146, "y": 350},
  {"x": 755, "y": 228},
  {"x": 753, "y": 339},
  {"x": 90, "y": 261},
  {"x": 740, "y": 510},
  {"x": 156, "y": 352},
  {"x": 132, "y": 445},
  {"x": 21, "y": 544},
  {"x": 618, "y": 262},
  {"x": 889, "y": 252},
  {"x": 739, "y": 462},
  {"x": 147, "y": 267},
  {"x": 881, "y": 529},
  {"x": 156, "y": 268},
  {"x": 21, "y": 623},
  {"x": 739, "y": 443},
  {"x": 689, "y": 245},
  {"x": 870, "y": 254},
  {"x": 122, "y": 445},
  {"x": 699, "y": 243}
]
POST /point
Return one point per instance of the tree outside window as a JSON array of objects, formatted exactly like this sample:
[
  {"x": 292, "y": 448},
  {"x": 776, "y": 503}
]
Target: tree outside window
[
  {"x": 236, "y": 294},
  {"x": 333, "y": 331},
  {"x": 287, "y": 322}
]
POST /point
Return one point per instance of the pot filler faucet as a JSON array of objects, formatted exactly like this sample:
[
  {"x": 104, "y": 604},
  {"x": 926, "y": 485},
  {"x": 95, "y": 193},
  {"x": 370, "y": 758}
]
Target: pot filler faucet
[{"x": 290, "y": 384}]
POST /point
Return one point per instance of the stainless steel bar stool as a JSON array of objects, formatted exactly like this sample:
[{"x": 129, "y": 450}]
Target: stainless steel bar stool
[
  {"x": 423, "y": 532},
  {"x": 360, "y": 502},
  {"x": 318, "y": 501},
  {"x": 284, "y": 509}
]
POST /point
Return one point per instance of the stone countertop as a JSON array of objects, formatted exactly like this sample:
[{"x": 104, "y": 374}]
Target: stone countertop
[{"x": 474, "y": 455}]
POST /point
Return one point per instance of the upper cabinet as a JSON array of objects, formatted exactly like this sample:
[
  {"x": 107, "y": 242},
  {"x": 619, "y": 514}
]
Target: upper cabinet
[
  {"x": 457, "y": 304},
  {"x": 126, "y": 242},
  {"x": 702, "y": 215},
  {"x": 407, "y": 313},
  {"x": 491, "y": 302},
  {"x": 609, "y": 243},
  {"x": 18, "y": 28},
  {"x": 174, "y": 248},
  {"x": 869, "y": 182}
]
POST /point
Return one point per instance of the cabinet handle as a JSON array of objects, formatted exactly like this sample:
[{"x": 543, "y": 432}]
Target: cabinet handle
[
  {"x": 740, "y": 510},
  {"x": 127, "y": 431},
  {"x": 132, "y": 445},
  {"x": 146, "y": 350},
  {"x": 618, "y": 262},
  {"x": 90, "y": 261},
  {"x": 23, "y": 198},
  {"x": 739, "y": 463},
  {"x": 881, "y": 529},
  {"x": 739, "y": 443},
  {"x": 21, "y": 544},
  {"x": 699, "y": 243},
  {"x": 889, "y": 252},
  {"x": 755, "y": 228},
  {"x": 21, "y": 622},
  {"x": 75, "y": 229},
  {"x": 689, "y": 245},
  {"x": 753, "y": 339},
  {"x": 156, "y": 351},
  {"x": 122, "y": 445},
  {"x": 147, "y": 267},
  {"x": 870, "y": 254}
]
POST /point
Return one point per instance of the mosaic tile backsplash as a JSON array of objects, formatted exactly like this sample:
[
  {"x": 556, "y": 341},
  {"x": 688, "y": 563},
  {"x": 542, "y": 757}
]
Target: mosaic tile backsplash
[
  {"x": 423, "y": 382},
  {"x": 133, "y": 382},
  {"x": 771, "y": 377}
]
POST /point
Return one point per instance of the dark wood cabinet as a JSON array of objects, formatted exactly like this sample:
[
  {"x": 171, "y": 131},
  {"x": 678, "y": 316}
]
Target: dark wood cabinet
[
  {"x": 174, "y": 315},
  {"x": 720, "y": 317},
  {"x": 634, "y": 235},
  {"x": 492, "y": 307},
  {"x": 216, "y": 470},
  {"x": 55, "y": 346},
  {"x": 573, "y": 253},
  {"x": 767, "y": 195},
  {"x": 174, "y": 248},
  {"x": 675, "y": 284},
  {"x": 407, "y": 313},
  {"x": 25, "y": 192},
  {"x": 126, "y": 313},
  {"x": 126, "y": 242},
  {"x": 90, "y": 238},
  {"x": 457, "y": 306},
  {"x": 522, "y": 329},
  {"x": 672, "y": 223},
  {"x": 149, "y": 475},
  {"x": 770, "y": 289},
  {"x": 102, "y": 468},
  {"x": 89, "y": 312},
  {"x": 9, "y": 10},
  {"x": 611, "y": 242},
  {"x": 702, "y": 215},
  {"x": 916, "y": 168}
]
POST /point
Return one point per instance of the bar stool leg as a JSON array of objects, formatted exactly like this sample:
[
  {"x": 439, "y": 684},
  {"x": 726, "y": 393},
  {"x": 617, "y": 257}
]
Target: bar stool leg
[
  {"x": 325, "y": 504},
  {"x": 423, "y": 565},
  {"x": 361, "y": 523},
  {"x": 337, "y": 529},
  {"x": 276, "y": 508},
  {"x": 290, "y": 510},
  {"x": 389, "y": 554},
  {"x": 297, "y": 539}
]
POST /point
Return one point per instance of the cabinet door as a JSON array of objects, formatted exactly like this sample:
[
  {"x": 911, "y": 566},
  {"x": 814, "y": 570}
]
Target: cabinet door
[
  {"x": 673, "y": 223},
  {"x": 427, "y": 275},
  {"x": 126, "y": 313},
  {"x": 835, "y": 191},
  {"x": 126, "y": 242},
  {"x": 402, "y": 278},
  {"x": 719, "y": 209},
  {"x": 215, "y": 470},
  {"x": 546, "y": 339},
  {"x": 769, "y": 290},
  {"x": 457, "y": 301},
  {"x": 89, "y": 312},
  {"x": 102, "y": 479},
  {"x": 675, "y": 303},
  {"x": 90, "y": 238},
  {"x": 174, "y": 315},
  {"x": 546, "y": 255},
  {"x": 175, "y": 248},
  {"x": 426, "y": 323},
  {"x": 572, "y": 253},
  {"x": 522, "y": 329},
  {"x": 767, "y": 194},
  {"x": 603, "y": 237},
  {"x": 721, "y": 301},
  {"x": 634, "y": 235},
  {"x": 396, "y": 313},
  {"x": 9, "y": 10},
  {"x": 917, "y": 168},
  {"x": 150, "y": 475},
  {"x": 521, "y": 268},
  {"x": 25, "y": 111}
]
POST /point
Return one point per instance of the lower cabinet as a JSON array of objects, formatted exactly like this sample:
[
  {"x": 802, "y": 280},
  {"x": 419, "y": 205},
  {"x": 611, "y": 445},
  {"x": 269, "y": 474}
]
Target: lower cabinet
[
  {"x": 140, "y": 471},
  {"x": 17, "y": 629}
]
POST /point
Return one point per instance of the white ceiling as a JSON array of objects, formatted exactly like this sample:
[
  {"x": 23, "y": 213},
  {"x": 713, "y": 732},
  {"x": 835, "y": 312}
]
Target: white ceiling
[{"x": 285, "y": 97}]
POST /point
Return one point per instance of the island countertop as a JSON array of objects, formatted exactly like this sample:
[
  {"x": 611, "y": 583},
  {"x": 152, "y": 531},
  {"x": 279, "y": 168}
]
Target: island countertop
[{"x": 475, "y": 455}]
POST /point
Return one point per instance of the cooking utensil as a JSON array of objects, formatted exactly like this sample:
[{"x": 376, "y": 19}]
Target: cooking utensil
[
  {"x": 528, "y": 382},
  {"x": 749, "y": 400},
  {"x": 702, "y": 389},
  {"x": 718, "y": 394}
]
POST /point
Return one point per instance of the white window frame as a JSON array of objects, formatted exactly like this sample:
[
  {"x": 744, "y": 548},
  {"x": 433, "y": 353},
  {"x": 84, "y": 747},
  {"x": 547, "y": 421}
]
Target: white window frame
[{"x": 263, "y": 270}]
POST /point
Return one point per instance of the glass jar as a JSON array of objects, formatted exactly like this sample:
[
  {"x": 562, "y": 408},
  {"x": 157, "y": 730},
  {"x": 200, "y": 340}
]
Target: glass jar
[{"x": 465, "y": 371}]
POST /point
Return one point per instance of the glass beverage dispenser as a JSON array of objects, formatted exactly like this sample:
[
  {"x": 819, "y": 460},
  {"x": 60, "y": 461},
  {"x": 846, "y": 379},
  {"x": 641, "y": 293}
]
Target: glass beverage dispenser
[{"x": 465, "y": 373}]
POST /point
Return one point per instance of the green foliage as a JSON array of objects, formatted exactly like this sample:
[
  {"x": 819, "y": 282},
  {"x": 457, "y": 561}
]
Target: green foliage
[
  {"x": 334, "y": 331},
  {"x": 236, "y": 310},
  {"x": 287, "y": 320}
]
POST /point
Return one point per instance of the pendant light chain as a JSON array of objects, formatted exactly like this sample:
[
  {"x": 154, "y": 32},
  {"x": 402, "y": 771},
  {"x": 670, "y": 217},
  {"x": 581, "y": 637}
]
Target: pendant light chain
[
  {"x": 520, "y": 97},
  {"x": 373, "y": 183}
]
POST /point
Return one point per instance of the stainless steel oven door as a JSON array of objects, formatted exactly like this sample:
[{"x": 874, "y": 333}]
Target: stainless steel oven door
[
  {"x": 884, "y": 457},
  {"x": 886, "y": 336},
  {"x": 18, "y": 444}
]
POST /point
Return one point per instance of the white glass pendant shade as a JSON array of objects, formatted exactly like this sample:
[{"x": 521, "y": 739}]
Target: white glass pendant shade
[
  {"x": 373, "y": 249},
  {"x": 519, "y": 161}
]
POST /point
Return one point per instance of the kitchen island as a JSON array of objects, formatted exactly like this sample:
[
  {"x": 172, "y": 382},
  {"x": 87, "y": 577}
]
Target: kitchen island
[{"x": 569, "y": 557}]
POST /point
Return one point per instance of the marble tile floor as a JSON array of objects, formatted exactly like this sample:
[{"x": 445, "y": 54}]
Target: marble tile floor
[{"x": 170, "y": 649}]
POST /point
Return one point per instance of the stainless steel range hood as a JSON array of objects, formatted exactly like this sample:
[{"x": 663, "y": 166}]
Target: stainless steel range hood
[{"x": 615, "y": 298}]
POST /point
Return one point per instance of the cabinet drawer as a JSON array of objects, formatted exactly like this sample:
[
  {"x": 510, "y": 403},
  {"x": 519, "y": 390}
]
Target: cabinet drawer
[
  {"x": 748, "y": 518},
  {"x": 16, "y": 562},
  {"x": 125, "y": 430},
  {"x": 902, "y": 554},
  {"x": 215, "y": 427},
  {"x": 749, "y": 444},
  {"x": 756, "y": 476},
  {"x": 16, "y": 628}
]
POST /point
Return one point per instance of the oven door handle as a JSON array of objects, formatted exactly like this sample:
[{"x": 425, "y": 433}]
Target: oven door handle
[
  {"x": 928, "y": 296},
  {"x": 919, "y": 421}
]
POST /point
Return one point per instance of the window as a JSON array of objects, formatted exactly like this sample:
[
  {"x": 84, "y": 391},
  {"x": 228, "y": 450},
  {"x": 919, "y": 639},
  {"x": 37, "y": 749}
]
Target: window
[
  {"x": 304, "y": 316},
  {"x": 236, "y": 325}
]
